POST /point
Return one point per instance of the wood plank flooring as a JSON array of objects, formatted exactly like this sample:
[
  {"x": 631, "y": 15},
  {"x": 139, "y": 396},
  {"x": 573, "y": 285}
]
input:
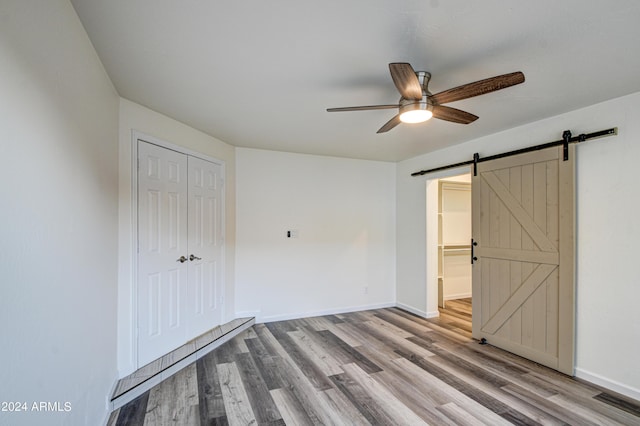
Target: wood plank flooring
[{"x": 379, "y": 367}]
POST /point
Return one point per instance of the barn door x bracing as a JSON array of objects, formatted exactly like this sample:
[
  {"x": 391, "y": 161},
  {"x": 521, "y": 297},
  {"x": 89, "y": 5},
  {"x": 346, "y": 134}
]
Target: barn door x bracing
[{"x": 523, "y": 278}]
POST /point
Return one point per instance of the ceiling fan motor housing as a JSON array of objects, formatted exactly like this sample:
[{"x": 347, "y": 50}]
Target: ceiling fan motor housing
[
  {"x": 423, "y": 78},
  {"x": 416, "y": 111}
]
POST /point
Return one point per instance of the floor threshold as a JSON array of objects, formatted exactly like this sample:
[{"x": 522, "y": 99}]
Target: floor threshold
[{"x": 132, "y": 386}]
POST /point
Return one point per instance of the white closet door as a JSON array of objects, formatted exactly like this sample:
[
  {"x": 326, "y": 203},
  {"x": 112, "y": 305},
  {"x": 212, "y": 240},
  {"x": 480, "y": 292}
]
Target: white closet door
[
  {"x": 205, "y": 245},
  {"x": 162, "y": 240}
]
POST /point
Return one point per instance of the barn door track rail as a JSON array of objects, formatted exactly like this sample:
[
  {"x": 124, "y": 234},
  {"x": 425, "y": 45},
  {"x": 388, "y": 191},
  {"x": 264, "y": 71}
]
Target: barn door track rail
[{"x": 567, "y": 138}]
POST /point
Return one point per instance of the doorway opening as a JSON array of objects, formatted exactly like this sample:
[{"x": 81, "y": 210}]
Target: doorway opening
[
  {"x": 449, "y": 246},
  {"x": 454, "y": 247}
]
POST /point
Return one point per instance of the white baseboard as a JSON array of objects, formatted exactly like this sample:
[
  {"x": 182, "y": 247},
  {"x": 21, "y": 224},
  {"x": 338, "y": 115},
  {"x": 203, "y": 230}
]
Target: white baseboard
[
  {"x": 457, "y": 296},
  {"x": 343, "y": 310},
  {"x": 248, "y": 314},
  {"x": 599, "y": 380},
  {"x": 418, "y": 312}
]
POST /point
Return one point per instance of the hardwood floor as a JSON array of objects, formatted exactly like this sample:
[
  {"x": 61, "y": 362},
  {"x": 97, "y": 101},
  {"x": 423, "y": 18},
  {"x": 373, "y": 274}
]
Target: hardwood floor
[{"x": 380, "y": 367}]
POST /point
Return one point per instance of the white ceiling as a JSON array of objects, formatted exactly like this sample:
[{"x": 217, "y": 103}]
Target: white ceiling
[{"x": 260, "y": 74}]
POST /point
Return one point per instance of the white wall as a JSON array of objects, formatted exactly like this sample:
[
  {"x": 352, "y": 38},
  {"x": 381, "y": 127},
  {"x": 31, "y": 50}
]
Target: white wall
[
  {"x": 134, "y": 117},
  {"x": 608, "y": 324},
  {"x": 344, "y": 212},
  {"x": 58, "y": 216}
]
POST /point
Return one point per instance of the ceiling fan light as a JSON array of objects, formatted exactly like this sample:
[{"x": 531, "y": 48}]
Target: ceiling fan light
[
  {"x": 416, "y": 116},
  {"x": 415, "y": 112}
]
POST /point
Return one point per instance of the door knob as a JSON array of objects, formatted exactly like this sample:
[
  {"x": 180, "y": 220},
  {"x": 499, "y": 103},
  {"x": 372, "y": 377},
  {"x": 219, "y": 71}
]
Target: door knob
[
  {"x": 182, "y": 259},
  {"x": 192, "y": 258}
]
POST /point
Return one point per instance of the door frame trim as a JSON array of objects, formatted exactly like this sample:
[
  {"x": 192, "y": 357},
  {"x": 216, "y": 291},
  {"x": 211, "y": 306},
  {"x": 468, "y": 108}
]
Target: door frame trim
[{"x": 133, "y": 236}]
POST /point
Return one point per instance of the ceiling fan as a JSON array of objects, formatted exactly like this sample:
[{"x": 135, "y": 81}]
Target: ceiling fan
[{"x": 417, "y": 104}]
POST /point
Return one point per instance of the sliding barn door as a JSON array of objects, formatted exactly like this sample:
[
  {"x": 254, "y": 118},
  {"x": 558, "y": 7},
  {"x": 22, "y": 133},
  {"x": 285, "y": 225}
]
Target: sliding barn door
[{"x": 523, "y": 278}]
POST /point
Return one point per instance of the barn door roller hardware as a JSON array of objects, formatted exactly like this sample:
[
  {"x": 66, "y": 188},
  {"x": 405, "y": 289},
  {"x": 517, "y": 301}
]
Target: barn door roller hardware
[{"x": 565, "y": 141}]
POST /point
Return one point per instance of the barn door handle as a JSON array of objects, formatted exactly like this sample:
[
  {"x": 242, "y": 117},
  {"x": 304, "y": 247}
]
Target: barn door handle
[
  {"x": 192, "y": 258},
  {"x": 182, "y": 259},
  {"x": 473, "y": 257}
]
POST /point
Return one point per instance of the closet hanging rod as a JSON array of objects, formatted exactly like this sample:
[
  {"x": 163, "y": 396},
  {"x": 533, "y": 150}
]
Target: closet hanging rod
[{"x": 566, "y": 139}]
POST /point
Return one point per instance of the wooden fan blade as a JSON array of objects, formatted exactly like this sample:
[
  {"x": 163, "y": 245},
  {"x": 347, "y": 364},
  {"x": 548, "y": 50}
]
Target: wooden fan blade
[
  {"x": 390, "y": 124},
  {"x": 363, "y": 108},
  {"x": 404, "y": 77},
  {"x": 454, "y": 115},
  {"x": 478, "y": 88}
]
